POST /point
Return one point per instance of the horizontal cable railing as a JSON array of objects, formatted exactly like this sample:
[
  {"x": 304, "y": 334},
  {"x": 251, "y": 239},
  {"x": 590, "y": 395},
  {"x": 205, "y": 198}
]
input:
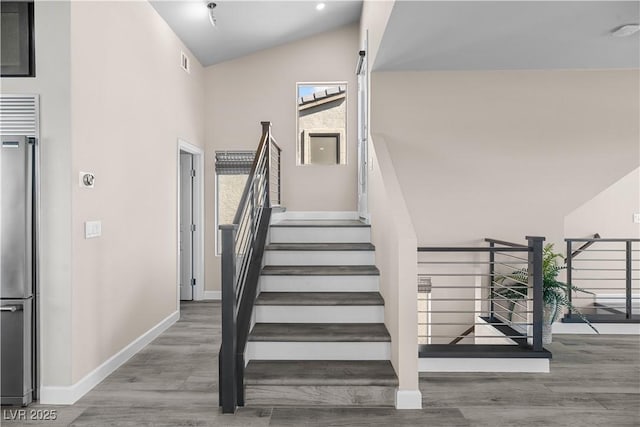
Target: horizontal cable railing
[
  {"x": 481, "y": 295},
  {"x": 608, "y": 273},
  {"x": 275, "y": 171},
  {"x": 243, "y": 244}
]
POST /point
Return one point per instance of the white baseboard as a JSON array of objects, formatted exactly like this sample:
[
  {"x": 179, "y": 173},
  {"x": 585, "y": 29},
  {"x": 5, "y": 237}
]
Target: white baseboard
[
  {"x": 68, "y": 395},
  {"x": 408, "y": 399},
  {"x": 279, "y": 216},
  {"x": 603, "y": 328},
  {"x": 464, "y": 364},
  {"x": 212, "y": 296}
]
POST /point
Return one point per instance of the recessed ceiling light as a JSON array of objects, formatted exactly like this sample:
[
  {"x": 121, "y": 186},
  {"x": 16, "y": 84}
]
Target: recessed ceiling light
[
  {"x": 625, "y": 30},
  {"x": 320, "y": 6}
]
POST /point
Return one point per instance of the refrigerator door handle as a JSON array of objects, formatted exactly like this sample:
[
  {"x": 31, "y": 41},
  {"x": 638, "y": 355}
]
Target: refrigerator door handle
[{"x": 11, "y": 308}]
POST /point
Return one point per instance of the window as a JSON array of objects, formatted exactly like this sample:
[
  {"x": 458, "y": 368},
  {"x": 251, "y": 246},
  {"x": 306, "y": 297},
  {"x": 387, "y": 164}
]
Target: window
[
  {"x": 232, "y": 170},
  {"x": 322, "y": 120},
  {"x": 17, "y": 57}
]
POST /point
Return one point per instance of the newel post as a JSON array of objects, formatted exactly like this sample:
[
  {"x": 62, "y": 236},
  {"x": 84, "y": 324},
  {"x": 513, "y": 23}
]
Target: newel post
[
  {"x": 266, "y": 132},
  {"x": 536, "y": 284},
  {"x": 227, "y": 374}
]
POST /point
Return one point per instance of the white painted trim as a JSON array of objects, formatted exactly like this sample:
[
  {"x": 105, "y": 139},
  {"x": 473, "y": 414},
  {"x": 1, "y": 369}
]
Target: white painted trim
[
  {"x": 212, "y": 296},
  {"x": 277, "y": 257},
  {"x": 603, "y": 328},
  {"x": 288, "y": 350},
  {"x": 320, "y": 235},
  {"x": 467, "y": 364},
  {"x": 279, "y": 216},
  {"x": 319, "y": 283},
  {"x": 68, "y": 395},
  {"x": 408, "y": 399},
  {"x": 198, "y": 207}
]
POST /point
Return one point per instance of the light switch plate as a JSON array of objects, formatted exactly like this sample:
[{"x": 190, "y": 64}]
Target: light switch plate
[
  {"x": 92, "y": 229},
  {"x": 636, "y": 218}
]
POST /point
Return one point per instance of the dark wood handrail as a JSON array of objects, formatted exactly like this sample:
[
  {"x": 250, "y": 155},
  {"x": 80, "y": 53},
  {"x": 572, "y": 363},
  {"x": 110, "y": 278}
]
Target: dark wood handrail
[
  {"x": 470, "y": 249},
  {"x": 589, "y": 242},
  {"x": 463, "y": 335},
  {"x": 266, "y": 131},
  {"x": 275, "y": 144},
  {"x": 602, "y": 240},
  {"x": 505, "y": 243}
]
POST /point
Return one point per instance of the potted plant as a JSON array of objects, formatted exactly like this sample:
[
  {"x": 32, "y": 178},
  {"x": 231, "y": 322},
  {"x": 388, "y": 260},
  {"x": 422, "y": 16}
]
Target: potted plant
[{"x": 554, "y": 292}]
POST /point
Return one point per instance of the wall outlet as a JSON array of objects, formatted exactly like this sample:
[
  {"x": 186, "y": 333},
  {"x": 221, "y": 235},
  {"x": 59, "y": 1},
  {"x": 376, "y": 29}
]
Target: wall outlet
[
  {"x": 636, "y": 218},
  {"x": 92, "y": 229}
]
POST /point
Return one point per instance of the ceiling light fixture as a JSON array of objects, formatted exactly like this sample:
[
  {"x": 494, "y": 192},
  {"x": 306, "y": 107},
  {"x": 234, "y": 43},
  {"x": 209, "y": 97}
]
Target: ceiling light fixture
[
  {"x": 625, "y": 30},
  {"x": 320, "y": 6},
  {"x": 212, "y": 17}
]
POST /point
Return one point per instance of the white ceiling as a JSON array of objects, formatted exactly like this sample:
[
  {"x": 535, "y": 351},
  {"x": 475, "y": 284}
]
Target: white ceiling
[
  {"x": 479, "y": 35},
  {"x": 244, "y": 27}
]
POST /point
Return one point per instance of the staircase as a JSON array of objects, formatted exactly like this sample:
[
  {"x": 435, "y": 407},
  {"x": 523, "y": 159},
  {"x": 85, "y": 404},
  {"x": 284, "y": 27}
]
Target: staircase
[{"x": 319, "y": 336}]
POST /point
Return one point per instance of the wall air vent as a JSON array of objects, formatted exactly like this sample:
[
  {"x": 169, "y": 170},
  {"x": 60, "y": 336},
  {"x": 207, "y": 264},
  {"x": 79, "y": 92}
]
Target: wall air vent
[
  {"x": 184, "y": 62},
  {"x": 19, "y": 115}
]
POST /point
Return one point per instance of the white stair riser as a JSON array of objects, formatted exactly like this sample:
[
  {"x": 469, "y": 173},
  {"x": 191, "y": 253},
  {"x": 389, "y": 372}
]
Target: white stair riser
[
  {"x": 320, "y": 235},
  {"x": 319, "y": 258},
  {"x": 313, "y": 215},
  {"x": 273, "y": 350},
  {"x": 453, "y": 364},
  {"x": 319, "y": 283},
  {"x": 319, "y": 314},
  {"x": 319, "y": 395}
]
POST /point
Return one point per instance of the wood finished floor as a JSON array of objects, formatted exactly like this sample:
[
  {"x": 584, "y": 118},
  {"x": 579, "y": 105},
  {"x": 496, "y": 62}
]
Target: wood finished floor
[{"x": 595, "y": 381}]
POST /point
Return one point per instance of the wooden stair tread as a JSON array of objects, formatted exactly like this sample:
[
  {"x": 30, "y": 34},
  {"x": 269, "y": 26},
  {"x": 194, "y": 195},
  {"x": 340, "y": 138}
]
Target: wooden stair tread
[
  {"x": 320, "y": 332},
  {"x": 319, "y": 247},
  {"x": 320, "y": 298},
  {"x": 320, "y": 270}
]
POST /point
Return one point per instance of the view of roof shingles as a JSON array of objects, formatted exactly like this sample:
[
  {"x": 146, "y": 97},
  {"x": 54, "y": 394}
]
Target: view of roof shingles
[{"x": 322, "y": 94}]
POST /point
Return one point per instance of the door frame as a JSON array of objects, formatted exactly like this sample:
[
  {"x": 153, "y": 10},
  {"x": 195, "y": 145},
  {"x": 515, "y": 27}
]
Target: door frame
[
  {"x": 363, "y": 133},
  {"x": 198, "y": 219}
]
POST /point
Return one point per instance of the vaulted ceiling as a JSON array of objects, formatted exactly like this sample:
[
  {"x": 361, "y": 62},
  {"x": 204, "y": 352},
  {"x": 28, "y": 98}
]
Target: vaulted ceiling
[
  {"x": 244, "y": 27},
  {"x": 424, "y": 35}
]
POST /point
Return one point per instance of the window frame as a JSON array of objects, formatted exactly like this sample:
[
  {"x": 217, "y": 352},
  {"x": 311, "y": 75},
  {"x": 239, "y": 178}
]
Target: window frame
[
  {"x": 28, "y": 68},
  {"x": 300, "y": 142}
]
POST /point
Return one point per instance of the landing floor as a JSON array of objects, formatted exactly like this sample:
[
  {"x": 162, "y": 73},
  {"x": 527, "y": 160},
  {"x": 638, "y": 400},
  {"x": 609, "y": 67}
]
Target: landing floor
[{"x": 594, "y": 381}]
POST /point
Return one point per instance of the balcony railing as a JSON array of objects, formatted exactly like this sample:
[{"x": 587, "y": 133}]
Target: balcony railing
[
  {"x": 243, "y": 245},
  {"x": 609, "y": 270},
  {"x": 478, "y": 296}
]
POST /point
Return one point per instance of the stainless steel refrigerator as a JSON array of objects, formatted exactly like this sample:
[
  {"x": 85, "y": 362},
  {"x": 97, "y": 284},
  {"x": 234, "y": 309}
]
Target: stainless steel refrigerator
[{"x": 18, "y": 269}]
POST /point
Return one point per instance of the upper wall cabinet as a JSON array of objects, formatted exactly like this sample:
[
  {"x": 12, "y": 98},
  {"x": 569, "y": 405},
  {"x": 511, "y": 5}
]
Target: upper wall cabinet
[
  {"x": 17, "y": 53},
  {"x": 322, "y": 122}
]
